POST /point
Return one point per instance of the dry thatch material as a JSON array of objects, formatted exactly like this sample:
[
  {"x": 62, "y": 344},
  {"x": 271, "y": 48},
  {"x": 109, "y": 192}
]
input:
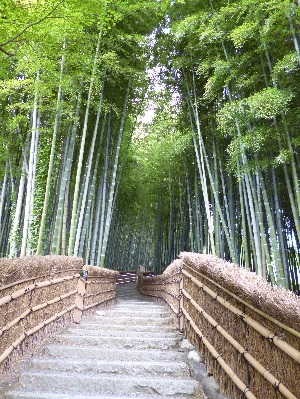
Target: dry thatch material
[
  {"x": 170, "y": 271},
  {"x": 100, "y": 272},
  {"x": 278, "y": 302},
  {"x": 13, "y": 270},
  {"x": 100, "y": 287},
  {"x": 37, "y": 291},
  {"x": 164, "y": 286},
  {"x": 239, "y": 345},
  {"x": 173, "y": 268}
]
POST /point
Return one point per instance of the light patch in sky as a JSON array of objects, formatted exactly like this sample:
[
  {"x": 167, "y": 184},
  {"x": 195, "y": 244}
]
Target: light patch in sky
[{"x": 148, "y": 116}]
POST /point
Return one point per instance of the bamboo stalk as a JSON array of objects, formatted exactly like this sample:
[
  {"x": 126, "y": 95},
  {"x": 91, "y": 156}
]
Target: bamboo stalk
[
  {"x": 110, "y": 206},
  {"x": 72, "y": 236},
  {"x": 15, "y": 321},
  {"x": 13, "y": 346},
  {"x": 6, "y": 299},
  {"x": 99, "y": 280},
  {"x": 79, "y": 302},
  {"x": 235, "y": 379},
  {"x": 54, "y": 300},
  {"x": 96, "y": 303},
  {"x": 284, "y": 346},
  {"x": 17, "y": 294},
  {"x": 43, "y": 305},
  {"x": 78, "y": 237},
  {"x": 36, "y": 277},
  {"x": 161, "y": 290},
  {"x": 35, "y": 309},
  {"x": 162, "y": 278},
  {"x": 6, "y": 353},
  {"x": 31, "y": 168},
  {"x": 55, "y": 317},
  {"x": 50, "y": 320},
  {"x": 16, "y": 343},
  {"x": 55, "y": 281},
  {"x": 98, "y": 293},
  {"x": 256, "y": 365},
  {"x": 23, "y": 291},
  {"x": 52, "y": 155},
  {"x": 14, "y": 232},
  {"x": 67, "y": 295}
]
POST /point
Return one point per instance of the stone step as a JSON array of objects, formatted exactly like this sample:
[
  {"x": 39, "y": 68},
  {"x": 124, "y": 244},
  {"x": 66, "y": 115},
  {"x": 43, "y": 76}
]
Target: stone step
[
  {"x": 135, "y": 313},
  {"x": 106, "y": 354},
  {"x": 135, "y": 328},
  {"x": 83, "y": 330},
  {"x": 129, "y": 321},
  {"x": 109, "y": 368},
  {"x": 137, "y": 302},
  {"x": 133, "y": 309},
  {"x": 97, "y": 384},
  {"x": 120, "y": 342},
  {"x": 139, "y": 305},
  {"x": 47, "y": 395},
  {"x": 129, "y": 350}
]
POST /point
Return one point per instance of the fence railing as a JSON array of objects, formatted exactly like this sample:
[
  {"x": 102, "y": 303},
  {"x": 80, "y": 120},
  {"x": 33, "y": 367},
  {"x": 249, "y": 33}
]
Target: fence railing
[
  {"x": 165, "y": 286},
  {"x": 250, "y": 352},
  {"x": 130, "y": 276},
  {"x": 97, "y": 286},
  {"x": 38, "y": 295},
  {"x": 126, "y": 276}
]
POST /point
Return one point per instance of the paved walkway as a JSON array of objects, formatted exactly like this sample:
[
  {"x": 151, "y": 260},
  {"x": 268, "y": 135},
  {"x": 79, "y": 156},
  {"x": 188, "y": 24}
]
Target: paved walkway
[{"x": 130, "y": 350}]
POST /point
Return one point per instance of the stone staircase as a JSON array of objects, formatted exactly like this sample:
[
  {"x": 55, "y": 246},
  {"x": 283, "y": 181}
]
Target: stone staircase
[{"x": 130, "y": 350}]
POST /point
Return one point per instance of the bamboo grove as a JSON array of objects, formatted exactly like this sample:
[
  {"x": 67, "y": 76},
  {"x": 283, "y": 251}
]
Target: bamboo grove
[
  {"x": 220, "y": 158},
  {"x": 71, "y": 87},
  {"x": 215, "y": 170}
]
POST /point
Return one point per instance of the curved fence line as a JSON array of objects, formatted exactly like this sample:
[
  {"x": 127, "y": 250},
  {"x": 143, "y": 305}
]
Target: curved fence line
[
  {"x": 266, "y": 333},
  {"x": 4, "y": 287},
  {"x": 263, "y": 314},
  {"x": 250, "y": 353},
  {"x": 52, "y": 294}
]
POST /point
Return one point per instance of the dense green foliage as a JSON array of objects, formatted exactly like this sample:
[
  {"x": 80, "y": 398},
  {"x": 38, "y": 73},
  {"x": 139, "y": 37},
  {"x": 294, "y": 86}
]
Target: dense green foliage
[
  {"x": 217, "y": 168},
  {"x": 234, "y": 188},
  {"x": 65, "y": 73}
]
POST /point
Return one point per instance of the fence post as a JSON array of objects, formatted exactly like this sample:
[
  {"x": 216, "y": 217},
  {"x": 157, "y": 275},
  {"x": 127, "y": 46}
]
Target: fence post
[
  {"x": 180, "y": 313},
  {"x": 81, "y": 288}
]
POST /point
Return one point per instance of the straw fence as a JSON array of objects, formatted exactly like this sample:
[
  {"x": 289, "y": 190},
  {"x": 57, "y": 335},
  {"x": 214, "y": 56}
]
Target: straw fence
[
  {"x": 40, "y": 294},
  {"x": 246, "y": 330},
  {"x": 97, "y": 286}
]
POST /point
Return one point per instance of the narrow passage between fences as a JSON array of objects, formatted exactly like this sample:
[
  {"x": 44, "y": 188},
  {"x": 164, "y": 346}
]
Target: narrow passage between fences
[
  {"x": 118, "y": 343},
  {"x": 128, "y": 349}
]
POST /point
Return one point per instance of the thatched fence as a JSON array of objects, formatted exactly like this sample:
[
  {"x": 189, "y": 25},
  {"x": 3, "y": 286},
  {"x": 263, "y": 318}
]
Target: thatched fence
[
  {"x": 39, "y": 294},
  {"x": 246, "y": 330}
]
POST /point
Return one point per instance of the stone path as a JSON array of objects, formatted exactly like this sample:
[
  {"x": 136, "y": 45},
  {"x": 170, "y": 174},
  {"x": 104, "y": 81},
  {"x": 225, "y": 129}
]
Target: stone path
[{"x": 130, "y": 350}]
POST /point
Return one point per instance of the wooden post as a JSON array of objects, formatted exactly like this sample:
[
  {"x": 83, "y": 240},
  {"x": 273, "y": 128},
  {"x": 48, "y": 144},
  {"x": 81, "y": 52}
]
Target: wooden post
[
  {"x": 81, "y": 288},
  {"x": 180, "y": 313}
]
